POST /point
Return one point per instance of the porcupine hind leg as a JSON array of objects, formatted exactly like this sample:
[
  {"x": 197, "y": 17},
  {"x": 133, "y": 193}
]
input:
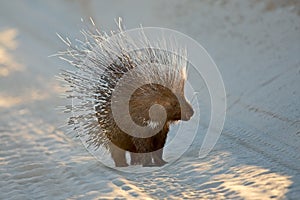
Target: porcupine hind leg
[
  {"x": 118, "y": 155},
  {"x": 159, "y": 141}
]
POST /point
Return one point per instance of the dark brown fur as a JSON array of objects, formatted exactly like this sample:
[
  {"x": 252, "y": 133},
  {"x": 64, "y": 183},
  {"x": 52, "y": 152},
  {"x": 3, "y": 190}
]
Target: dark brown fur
[{"x": 148, "y": 151}]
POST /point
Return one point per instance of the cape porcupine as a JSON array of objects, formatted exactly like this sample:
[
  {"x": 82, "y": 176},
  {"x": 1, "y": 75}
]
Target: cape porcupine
[{"x": 108, "y": 70}]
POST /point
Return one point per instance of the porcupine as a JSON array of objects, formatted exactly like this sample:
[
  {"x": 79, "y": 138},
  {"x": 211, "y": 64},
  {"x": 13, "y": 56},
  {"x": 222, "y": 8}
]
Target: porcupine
[{"x": 102, "y": 63}]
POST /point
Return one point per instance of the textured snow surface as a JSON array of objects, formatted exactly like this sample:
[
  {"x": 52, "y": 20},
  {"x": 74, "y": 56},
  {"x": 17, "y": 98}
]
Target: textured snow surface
[{"x": 256, "y": 46}]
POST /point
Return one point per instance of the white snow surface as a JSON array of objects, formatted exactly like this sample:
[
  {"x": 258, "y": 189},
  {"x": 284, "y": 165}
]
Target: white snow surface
[{"x": 256, "y": 45}]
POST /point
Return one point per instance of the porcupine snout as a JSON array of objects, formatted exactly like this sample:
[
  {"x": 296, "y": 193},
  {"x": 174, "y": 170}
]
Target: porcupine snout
[
  {"x": 178, "y": 108},
  {"x": 186, "y": 110}
]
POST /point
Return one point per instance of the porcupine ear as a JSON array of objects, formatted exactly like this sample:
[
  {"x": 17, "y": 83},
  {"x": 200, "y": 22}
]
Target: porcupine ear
[
  {"x": 183, "y": 79},
  {"x": 184, "y": 74}
]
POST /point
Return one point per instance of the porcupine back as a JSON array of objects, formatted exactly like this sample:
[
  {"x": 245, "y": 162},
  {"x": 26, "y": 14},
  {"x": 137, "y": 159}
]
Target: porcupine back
[{"x": 102, "y": 62}]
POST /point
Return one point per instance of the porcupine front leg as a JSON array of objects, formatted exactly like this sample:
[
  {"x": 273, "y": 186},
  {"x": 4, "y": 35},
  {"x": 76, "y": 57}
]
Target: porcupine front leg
[
  {"x": 135, "y": 158},
  {"x": 143, "y": 155},
  {"x": 144, "y": 159},
  {"x": 147, "y": 160},
  {"x": 157, "y": 158},
  {"x": 151, "y": 150},
  {"x": 118, "y": 155}
]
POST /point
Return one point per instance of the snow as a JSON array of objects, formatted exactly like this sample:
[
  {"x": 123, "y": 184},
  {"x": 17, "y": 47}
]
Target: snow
[{"x": 256, "y": 46}]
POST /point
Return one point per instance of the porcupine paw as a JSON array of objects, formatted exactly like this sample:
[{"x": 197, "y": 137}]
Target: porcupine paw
[
  {"x": 121, "y": 164},
  {"x": 160, "y": 162},
  {"x": 137, "y": 162},
  {"x": 150, "y": 164},
  {"x": 155, "y": 164}
]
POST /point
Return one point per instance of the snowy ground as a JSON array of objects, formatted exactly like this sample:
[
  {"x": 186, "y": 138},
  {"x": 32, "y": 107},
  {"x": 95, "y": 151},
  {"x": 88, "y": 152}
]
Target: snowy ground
[{"x": 256, "y": 46}]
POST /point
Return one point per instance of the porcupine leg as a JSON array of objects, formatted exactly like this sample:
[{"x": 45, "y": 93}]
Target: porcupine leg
[
  {"x": 159, "y": 141},
  {"x": 147, "y": 160},
  {"x": 143, "y": 155},
  {"x": 135, "y": 158},
  {"x": 118, "y": 155},
  {"x": 157, "y": 158},
  {"x": 141, "y": 159},
  {"x": 147, "y": 157}
]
